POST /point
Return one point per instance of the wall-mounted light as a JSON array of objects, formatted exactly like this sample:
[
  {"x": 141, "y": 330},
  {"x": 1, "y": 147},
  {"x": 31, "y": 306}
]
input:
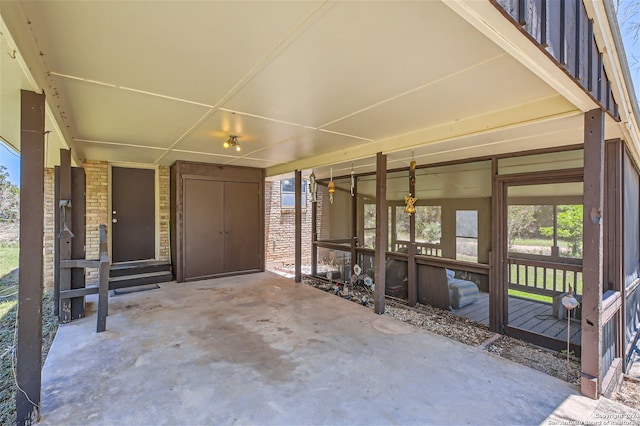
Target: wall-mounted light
[{"x": 232, "y": 141}]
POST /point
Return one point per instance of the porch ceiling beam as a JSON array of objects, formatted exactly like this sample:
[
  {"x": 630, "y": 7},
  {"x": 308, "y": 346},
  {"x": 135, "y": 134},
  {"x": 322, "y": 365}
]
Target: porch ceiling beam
[
  {"x": 487, "y": 19},
  {"x": 542, "y": 110}
]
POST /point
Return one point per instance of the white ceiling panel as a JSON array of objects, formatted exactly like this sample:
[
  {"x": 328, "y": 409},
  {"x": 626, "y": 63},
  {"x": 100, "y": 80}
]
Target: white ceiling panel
[
  {"x": 102, "y": 113},
  {"x": 306, "y": 145},
  {"x": 493, "y": 86},
  {"x": 253, "y": 133},
  {"x": 192, "y": 50},
  {"x": 115, "y": 153},
  {"x": 361, "y": 53}
]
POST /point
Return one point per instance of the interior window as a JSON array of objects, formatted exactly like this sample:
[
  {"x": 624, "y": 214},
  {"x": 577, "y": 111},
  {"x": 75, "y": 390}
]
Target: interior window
[
  {"x": 288, "y": 193},
  {"x": 467, "y": 235}
]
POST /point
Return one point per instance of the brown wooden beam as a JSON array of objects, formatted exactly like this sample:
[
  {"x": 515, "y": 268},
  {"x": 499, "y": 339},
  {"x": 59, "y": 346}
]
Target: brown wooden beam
[
  {"x": 298, "y": 226},
  {"x": 412, "y": 281},
  {"x": 64, "y": 236},
  {"x": 354, "y": 224},
  {"x": 592, "y": 273},
  {"x": 29, "y": 351},
  {"x": 497, "y": 264},
  {"x": 381, "y": 232},
  {"x": 314, "y": 238}
]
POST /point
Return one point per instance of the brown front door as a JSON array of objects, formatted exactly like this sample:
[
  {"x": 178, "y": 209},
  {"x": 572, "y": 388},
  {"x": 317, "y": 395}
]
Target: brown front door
[{"x": 133, "y": 214}]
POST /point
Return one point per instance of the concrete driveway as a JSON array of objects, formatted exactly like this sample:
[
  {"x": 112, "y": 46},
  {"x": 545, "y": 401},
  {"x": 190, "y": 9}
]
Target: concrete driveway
[{"x": 259, "y": 349}]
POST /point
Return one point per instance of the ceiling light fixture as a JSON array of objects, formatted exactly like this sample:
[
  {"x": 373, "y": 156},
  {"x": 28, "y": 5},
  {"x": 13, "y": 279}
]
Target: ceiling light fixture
[{"x": 232, "y": 141}]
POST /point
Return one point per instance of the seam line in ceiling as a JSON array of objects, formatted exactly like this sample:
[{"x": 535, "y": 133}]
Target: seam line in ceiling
[
  {"x": 118, "y": 144},
  {"x": 416, "y": 89}
]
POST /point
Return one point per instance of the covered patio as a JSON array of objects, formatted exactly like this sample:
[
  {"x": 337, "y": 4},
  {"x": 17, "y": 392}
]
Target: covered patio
[
  {"x": 188, "y": 112},
  {"x": 261, "y": 349}
]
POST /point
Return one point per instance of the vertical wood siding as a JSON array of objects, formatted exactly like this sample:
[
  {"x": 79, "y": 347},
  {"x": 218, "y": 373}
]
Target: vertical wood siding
[{"x": 562, "y": 29}]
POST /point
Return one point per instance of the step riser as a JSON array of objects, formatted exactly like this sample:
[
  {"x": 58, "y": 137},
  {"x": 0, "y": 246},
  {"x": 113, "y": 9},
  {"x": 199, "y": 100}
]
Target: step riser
[
  {"x": 134, "y": 281},
  {"x": 139, "y": 270}
]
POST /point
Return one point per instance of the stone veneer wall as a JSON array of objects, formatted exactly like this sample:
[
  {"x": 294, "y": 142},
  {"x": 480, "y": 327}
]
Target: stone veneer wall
[
  {"x": 280, "y": 228},
  {"x": 49, "y": 227}
]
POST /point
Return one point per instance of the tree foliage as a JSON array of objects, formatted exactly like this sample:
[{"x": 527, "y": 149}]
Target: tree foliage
[
  {"x": 9, "y": 198},
  {"x": 569, "y": 227},
  {"x": 522, "y": 223}
]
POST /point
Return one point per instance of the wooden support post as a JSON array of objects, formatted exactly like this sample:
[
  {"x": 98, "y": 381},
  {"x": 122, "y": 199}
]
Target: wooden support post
[
  {"x": 56, "y": 245},
  {"x": 298, "y": 225},
  {"x": 29, "y": 351},
  {"x": 592, "y": 269},
  {"x": 103, "y": 290},
  {"x": 314, "y": 238},
  {"x": 65, "y": 235},
  {"x": 412, "y": 270},
  {"x": 498, "y": 287},
  {"x": 78, "y": 214},
  {"x": 381, "y": 232},
  {"x": 354, "y": 226}
]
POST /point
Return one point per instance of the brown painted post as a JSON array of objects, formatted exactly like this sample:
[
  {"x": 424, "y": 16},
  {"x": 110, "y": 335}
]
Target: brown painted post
[
  {"x": 354, "y": 225},
  {"x": 64, "y": 236},
  {"x": 592, "y": 270},
  {"x": 298, "y": 230},
  {"x": 29, "y": 352},
  {"x": 103, "y": 289},
  {"x": 412, "y": 282},
  {"x": 314, "y": 238},
  {"x": 381, "y": 232},
  {"x": 497, "y": 286}
]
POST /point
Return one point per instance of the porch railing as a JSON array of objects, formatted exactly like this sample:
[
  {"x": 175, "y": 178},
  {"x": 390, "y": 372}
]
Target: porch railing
[
  {"x": 424, "y": 249},
  {"x": 543, "y": 277}
]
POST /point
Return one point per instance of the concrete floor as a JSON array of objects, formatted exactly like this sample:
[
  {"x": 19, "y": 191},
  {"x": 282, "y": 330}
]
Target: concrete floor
[{"x": 259, "y": 349}]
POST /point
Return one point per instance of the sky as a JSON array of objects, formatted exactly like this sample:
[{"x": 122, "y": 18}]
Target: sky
[{"x": 11, "y": 161}]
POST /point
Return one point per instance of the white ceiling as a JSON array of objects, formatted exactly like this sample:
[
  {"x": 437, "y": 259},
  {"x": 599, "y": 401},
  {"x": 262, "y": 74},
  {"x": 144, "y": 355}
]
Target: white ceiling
[{"x": 303, "y": 84}]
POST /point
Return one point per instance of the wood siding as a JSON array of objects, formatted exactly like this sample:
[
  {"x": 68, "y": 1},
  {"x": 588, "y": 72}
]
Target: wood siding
[{"x": 562, "y": 29}]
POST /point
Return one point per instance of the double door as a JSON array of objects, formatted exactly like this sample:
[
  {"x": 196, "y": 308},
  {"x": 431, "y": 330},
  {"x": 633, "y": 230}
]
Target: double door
[{"x": 221, "y": 227}]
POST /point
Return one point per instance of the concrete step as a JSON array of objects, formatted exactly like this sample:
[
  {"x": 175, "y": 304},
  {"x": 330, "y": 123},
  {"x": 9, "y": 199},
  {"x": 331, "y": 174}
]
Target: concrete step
[
  {"x": 139, "y": 279},
  {"x": 138, "y": 267}
]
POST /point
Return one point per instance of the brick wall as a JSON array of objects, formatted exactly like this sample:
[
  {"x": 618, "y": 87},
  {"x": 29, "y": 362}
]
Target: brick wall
[
  {"x": 280, "y": 228},
  {"x": 164, "y": 206},
  {"x": 97, "y": 213},
  {"x": 97, "y": 205},
  {"x": 49, "y": 228}
]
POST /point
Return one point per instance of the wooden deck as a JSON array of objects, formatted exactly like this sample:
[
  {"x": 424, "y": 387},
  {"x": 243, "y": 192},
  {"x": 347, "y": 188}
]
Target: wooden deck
[{"x": 527, "y": 315}]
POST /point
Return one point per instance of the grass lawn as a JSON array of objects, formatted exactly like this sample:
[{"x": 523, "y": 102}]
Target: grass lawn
[
  {"x": 8, "y": 258},
  {"x": 530, "y": 296},
  {"x": 8, "y": 312}
]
